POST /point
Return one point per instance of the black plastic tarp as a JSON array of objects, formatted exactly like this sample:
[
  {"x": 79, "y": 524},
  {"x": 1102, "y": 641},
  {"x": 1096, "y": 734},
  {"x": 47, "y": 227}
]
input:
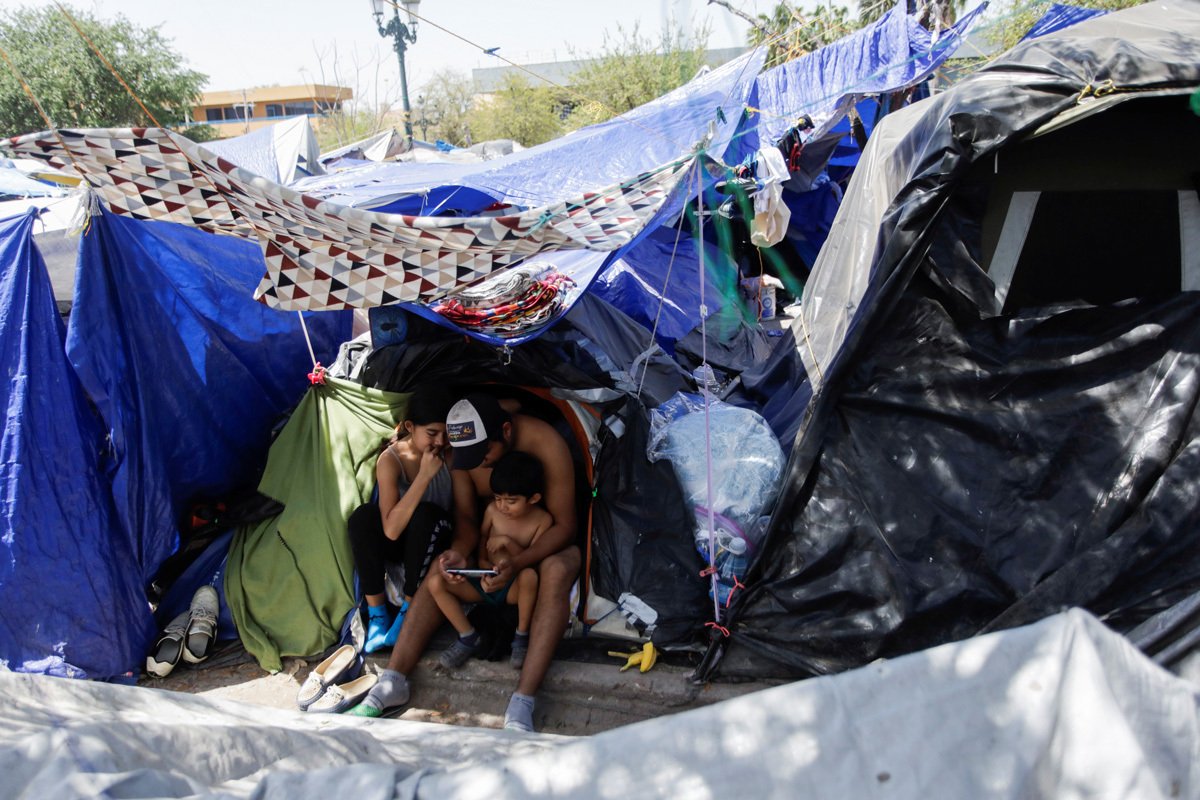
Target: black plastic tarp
[{"x": 961, "y": 470}]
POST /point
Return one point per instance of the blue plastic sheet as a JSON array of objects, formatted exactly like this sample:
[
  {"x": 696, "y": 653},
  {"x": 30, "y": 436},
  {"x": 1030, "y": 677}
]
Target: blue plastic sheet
[
  {"x": 188, "y": 372},
  {"x": 593, "y": 157},
  {"x": 893, "y": 52},
  {"x": 69, "y": 581},
  {"x": 1060, "y": 16}
]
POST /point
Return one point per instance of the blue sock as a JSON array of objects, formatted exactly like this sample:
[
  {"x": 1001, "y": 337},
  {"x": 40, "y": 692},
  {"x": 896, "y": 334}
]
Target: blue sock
[
  {"x": 394, "y": 631},
  {"x": 378, "y": 622}
]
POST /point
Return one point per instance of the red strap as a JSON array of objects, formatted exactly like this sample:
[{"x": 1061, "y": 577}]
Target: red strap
[
  {"x": 717, "y": 626},
  {"x": 737, "y": 584}
]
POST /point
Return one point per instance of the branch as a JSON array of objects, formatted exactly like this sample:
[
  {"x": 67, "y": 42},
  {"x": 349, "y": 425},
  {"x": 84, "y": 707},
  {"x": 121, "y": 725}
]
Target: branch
[{"x": 739, "y": 13}]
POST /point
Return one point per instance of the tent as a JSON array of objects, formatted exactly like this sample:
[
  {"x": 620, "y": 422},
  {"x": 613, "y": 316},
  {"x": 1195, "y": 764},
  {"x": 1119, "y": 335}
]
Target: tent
[
  {"x": 282, "y": 153},
  {"x": 166, "y": 389},
  {"x": 189, "y": 374},
  {"x": 1003, "y": 414}
]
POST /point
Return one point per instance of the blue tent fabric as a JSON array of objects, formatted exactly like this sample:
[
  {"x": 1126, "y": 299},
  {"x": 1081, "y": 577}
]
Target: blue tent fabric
[
  {"x": 658, "y": 284},
  {"x": 69, "y": 583},
  {"x": 598, "y": 155},
  {"x": 1060, "y": 16},
  {"x": 893, "y": 52},
  {"x": 187, "y": 371}
]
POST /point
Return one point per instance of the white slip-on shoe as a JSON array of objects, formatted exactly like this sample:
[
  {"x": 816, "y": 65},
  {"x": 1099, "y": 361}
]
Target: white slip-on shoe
[
  {"x": 342, "y": 697},
  {"x": 326, "y": 674}
]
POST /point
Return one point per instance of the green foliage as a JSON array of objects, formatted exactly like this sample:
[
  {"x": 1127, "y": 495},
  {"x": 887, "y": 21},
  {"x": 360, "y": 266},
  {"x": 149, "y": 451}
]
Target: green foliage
[
  {"x": 444, "y": 107},
  {"x": 633, "y": 70},
  {"x": 793, "y": 31},
  {"x": 74, "y": 88},
  {"x": 201, "y": 133},
  {"x": 526, "y": 114},
  {"x": 1015, "y": 18},
  {"x": 349, "y": 124}
]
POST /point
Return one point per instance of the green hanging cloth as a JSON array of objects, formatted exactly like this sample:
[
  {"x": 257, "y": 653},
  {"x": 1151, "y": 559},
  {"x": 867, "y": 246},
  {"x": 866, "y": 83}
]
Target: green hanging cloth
[{"x": 290, "y": 579}]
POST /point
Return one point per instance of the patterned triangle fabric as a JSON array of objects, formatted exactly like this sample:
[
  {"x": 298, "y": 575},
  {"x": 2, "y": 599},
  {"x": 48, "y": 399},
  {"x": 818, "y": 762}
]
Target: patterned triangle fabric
[{"x": 323, "y": 256}]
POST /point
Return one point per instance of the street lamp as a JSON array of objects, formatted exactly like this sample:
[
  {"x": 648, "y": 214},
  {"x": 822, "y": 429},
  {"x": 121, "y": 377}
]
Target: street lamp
[{"x": 402, "y": 35}]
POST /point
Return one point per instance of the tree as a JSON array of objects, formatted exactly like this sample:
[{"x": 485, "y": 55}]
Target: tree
[
  {"x": 361, "y": 117},
  {"x": 519, "y": 111},
  {"x": 75, "y": 88},
  {"x": 1015, "y": 18},
  {"x": 632, "y": 70},
  {"x": 445, "y": 104},
  {"x": 792, "y": 32}
]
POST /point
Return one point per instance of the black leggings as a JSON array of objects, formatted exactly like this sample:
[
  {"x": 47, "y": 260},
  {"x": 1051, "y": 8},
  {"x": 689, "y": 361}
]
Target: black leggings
[{"x": 428, "y": 534}]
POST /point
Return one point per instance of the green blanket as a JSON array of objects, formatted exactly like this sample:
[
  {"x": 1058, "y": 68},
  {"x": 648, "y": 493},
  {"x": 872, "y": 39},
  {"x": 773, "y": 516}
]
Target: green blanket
[{"x": 290, "y": 580}]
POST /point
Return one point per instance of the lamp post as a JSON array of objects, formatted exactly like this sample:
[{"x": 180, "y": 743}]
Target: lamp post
[{"x": 402, "y": 36}]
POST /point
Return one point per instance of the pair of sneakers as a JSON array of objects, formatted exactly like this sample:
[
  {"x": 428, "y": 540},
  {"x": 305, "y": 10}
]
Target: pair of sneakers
[
  {"x": 189, "y": 637},
  {"x": 461, "y": 649}
]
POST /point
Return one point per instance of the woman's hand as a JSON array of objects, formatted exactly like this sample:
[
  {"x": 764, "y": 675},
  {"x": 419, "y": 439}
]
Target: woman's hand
[
  {"x": 431, "y": 464},
  {"x": 452, "y": 559}
]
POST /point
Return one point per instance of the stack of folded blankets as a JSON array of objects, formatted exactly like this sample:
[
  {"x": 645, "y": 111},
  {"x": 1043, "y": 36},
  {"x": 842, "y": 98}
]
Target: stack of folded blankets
[{"x": 509, "y": 303}]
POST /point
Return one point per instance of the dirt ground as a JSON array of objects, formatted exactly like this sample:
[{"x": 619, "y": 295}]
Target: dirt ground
[{"x": 584, "y": 691}]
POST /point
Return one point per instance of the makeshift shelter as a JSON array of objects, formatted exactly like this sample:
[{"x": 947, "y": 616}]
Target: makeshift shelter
[
  {"x": 282, "y": 153},
  {"x": 1000, "y": 340},
  {"x": 584, "y": 201}
]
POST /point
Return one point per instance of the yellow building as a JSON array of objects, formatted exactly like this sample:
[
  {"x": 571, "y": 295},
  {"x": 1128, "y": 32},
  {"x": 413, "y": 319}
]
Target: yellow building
[{"x": 240, "y": 111}]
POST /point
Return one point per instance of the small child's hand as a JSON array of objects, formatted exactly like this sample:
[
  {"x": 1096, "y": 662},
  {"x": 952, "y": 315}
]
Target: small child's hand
[{"x": 502, "y": 578}]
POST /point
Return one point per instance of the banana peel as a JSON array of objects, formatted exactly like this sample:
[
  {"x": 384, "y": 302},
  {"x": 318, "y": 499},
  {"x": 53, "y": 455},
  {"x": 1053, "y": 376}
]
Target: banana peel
[
  {"x": 649, "y": 657},
  {"x": 643, "y": 659}
]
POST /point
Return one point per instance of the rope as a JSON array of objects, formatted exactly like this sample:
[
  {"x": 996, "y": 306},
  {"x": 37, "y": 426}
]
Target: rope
[
  {"x": 706, "y": 393},
  {"x": 41, "y": 111},
  {"x": 662, "y": 300},
  {"x": 317, "y": 376},
  {"x": 105, "y": 62}
]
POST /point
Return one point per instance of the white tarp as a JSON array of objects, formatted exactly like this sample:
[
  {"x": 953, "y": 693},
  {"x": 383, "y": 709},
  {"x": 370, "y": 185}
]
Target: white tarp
[{"x": 1061, "y": 709}]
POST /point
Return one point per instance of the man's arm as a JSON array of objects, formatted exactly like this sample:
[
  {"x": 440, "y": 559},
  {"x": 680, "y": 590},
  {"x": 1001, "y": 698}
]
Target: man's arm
[{"x": 548, "y": 446}]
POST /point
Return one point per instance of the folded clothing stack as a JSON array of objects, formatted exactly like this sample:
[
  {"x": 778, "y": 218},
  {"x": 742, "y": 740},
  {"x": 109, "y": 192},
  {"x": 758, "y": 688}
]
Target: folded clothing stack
[{"x": 509, "y": 303}]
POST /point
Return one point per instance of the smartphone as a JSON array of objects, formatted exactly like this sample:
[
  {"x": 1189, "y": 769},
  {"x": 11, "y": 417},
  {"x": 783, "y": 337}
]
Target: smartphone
[{"x": 472, "y": 573}]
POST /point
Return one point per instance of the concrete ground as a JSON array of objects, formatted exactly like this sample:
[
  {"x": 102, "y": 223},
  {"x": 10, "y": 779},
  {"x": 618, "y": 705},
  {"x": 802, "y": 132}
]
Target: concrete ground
[{"x": 584, "y": 691}]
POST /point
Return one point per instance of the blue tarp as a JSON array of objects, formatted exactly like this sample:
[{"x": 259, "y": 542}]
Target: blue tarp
[
  {"x": 1060, "y": 16},
  {"x": 893, "y": 52},
  {"x": 189, "y": 373},
  {"x": 70, "y": 585},
  {"x": 593, "y": 157}
]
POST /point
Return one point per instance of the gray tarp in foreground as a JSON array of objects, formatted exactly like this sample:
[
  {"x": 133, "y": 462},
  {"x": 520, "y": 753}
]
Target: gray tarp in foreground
[{"x": 1064, "y": 708}]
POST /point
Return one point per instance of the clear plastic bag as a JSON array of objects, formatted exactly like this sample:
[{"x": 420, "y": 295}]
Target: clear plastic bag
[{"x": 746, "y": 459}]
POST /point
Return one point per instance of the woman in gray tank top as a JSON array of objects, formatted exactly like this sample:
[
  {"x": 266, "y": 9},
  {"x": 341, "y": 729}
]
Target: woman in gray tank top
[{"x": 410, "y": 521}]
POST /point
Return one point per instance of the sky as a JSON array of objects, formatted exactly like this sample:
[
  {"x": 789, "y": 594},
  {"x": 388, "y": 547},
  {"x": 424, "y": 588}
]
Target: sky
[{"x": 246, "y": 43}]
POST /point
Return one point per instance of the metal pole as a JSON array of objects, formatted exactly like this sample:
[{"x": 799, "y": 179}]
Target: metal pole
[{"x": 400, "y": 34}]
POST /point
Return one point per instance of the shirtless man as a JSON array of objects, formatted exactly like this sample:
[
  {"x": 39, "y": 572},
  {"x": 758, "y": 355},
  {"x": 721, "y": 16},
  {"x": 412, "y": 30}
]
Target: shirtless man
[{"x": 480, "y": 432}]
